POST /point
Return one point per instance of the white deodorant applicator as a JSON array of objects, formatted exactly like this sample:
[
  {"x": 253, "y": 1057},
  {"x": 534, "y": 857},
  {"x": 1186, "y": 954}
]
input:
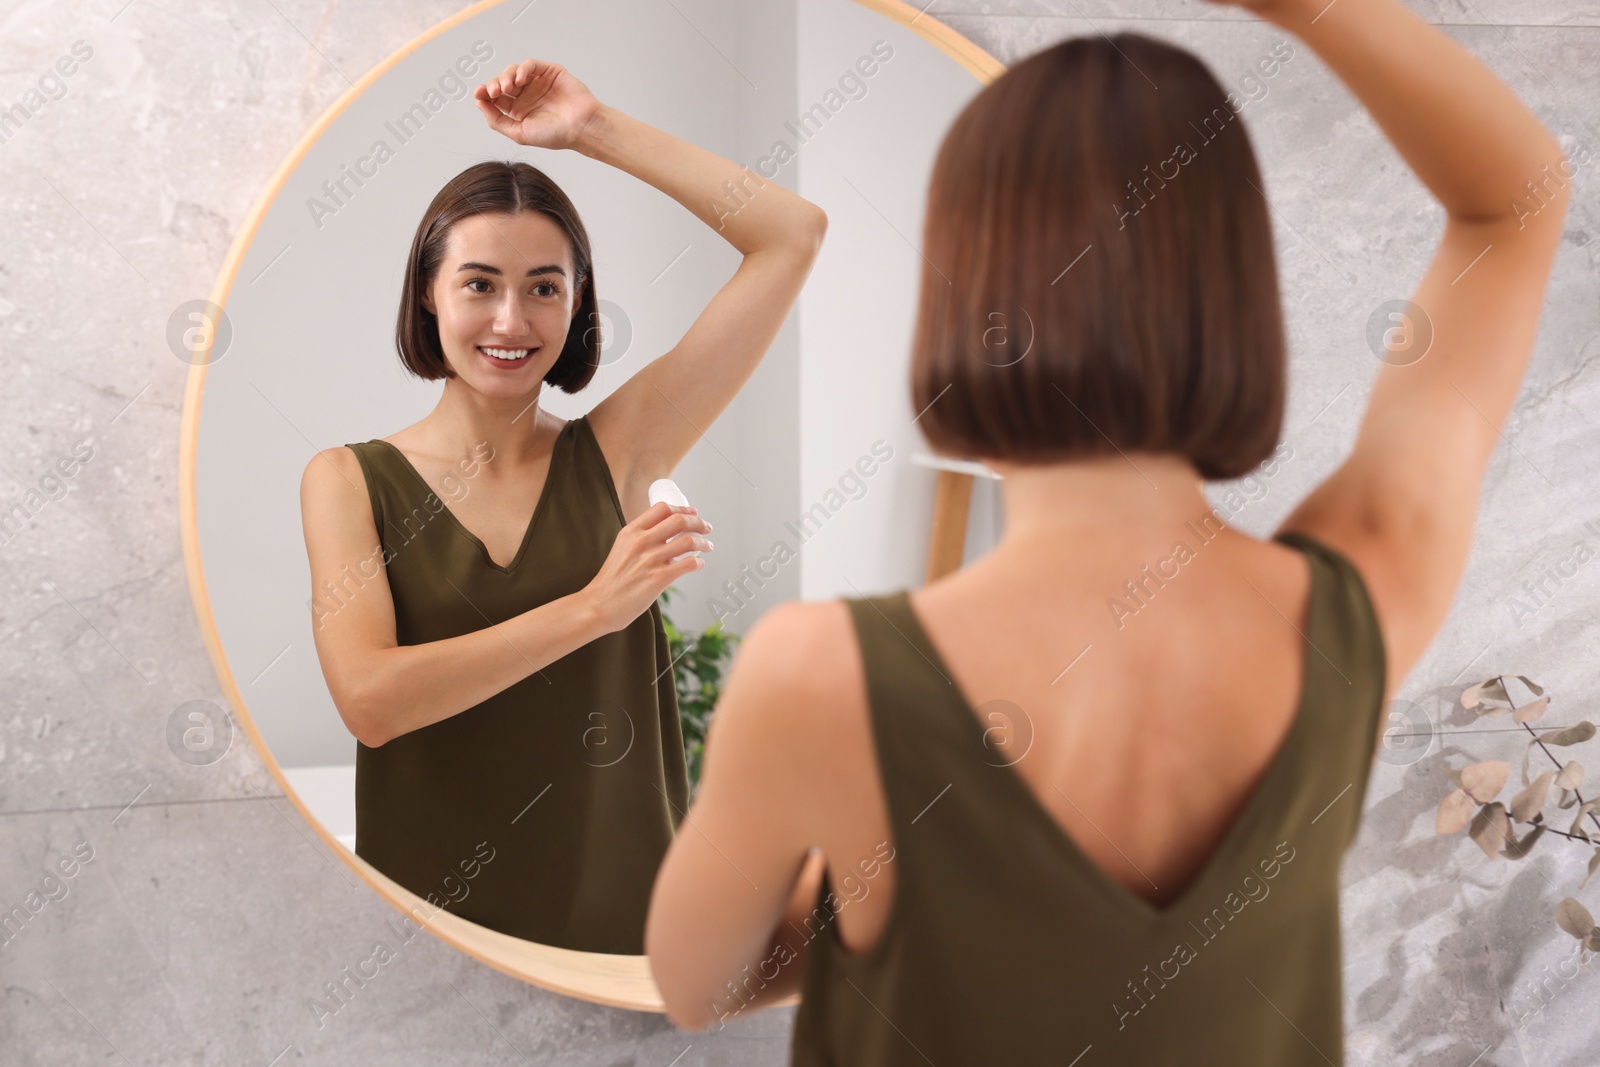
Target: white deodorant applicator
[{"x": 665, "y": 489}]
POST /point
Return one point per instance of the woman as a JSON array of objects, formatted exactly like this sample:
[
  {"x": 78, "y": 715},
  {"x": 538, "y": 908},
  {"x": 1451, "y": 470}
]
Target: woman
[
  {"x": 501, "y": 658},
  {"x": 1146, "y": 870}
]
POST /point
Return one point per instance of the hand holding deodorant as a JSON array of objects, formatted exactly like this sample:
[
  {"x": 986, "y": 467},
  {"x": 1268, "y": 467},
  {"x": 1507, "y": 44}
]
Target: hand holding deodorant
[{"x": 666, "y": 489}]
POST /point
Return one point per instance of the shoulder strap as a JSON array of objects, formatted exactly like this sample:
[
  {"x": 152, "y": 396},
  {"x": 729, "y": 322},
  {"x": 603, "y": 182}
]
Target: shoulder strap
[
  {"x": 372, "y": 459},
  {"x": 929, "y": 747},
  {"x": 401, "y": 504},
  {"x": 1346, "y": 668},
  {"x": 590, "y": 460}
]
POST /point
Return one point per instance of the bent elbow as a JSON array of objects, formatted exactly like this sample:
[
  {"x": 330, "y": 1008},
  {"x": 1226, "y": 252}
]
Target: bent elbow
[
  {"x": 372, "y": 736},
  {"x": 362, "y": 724},
  {"x": 695, "y": 1025},
  {"x": 679, "y": 1008},
  {"x": 372, "y": 740},
  {"x": 685, "y": 1018},
  {"x": 819, "y": 230},
  {"x": 805, "y": 234}
]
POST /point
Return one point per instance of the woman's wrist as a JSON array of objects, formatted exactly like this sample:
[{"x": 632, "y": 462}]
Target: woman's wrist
[
  {"x": 1291, "y": 14},
  {"x": 597, "y": 134},
  {"x": 591, "y": 620}
]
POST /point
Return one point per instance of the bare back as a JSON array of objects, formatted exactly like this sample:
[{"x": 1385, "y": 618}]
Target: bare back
[{"x": 1146, "y": 738}]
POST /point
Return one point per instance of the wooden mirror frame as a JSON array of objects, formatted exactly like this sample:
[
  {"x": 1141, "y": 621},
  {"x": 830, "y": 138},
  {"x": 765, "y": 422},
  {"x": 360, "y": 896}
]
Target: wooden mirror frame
[{"x": 619, "y": 981}]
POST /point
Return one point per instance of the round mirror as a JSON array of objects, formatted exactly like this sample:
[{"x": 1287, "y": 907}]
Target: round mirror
[{"x": 297, "y": 352}]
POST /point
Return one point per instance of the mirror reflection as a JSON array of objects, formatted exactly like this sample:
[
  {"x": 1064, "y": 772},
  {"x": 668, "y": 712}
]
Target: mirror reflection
[
  {"x": 506, "y": 670},
  {"x": 494, "y": 374}
]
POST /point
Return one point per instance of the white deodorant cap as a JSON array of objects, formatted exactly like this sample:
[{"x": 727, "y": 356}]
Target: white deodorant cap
[{"x": 666, "y": 489}]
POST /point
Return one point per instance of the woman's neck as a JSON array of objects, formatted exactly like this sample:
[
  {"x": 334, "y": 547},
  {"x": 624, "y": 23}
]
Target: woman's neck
[
  {"x": 1137, "y": 499},
  {"x": 464, "y": 420}
]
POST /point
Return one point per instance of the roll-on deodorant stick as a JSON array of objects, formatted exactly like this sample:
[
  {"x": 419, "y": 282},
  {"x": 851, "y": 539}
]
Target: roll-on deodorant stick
[{"x": 665, "y": 489}]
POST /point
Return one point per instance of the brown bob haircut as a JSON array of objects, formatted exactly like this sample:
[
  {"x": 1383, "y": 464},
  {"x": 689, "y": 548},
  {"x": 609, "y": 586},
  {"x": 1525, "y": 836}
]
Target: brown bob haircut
[
  {"x": 496, "y": 188},
  {"x": 1098, "y": 268}
]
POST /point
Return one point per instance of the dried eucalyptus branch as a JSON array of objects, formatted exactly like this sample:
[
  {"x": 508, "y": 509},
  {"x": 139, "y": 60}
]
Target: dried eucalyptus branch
[
  {"x": 1542, "y": 703},
  {"x": 1493, "y": 824}
]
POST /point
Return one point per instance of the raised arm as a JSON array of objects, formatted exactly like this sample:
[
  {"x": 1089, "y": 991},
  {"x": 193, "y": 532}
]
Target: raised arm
[
  {"x": 1402, "y": 504},
  {"x": 653, "y": 419},
  {"x": 383, "y": 689}
]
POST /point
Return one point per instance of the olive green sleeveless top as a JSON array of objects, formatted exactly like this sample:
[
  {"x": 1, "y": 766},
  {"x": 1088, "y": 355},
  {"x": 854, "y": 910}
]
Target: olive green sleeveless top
[
  {"x": 544, "y": 811},
  {"x": 1006, "y": 945}
]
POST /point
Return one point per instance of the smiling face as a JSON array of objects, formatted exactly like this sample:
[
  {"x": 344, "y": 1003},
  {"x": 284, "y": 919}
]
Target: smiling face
[{"x": 506, "y": 287}]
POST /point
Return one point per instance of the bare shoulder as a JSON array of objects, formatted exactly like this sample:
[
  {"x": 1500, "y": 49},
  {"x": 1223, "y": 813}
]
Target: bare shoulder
[
  {"x": 814, "y": 640},
  {"x": 1391, "y": 587},
  {"x": 332, "y": 474},
  {"x": 787, "y": 695},
  {"x": 804, "y": 650},
  {"x": 336, "y": 510}
]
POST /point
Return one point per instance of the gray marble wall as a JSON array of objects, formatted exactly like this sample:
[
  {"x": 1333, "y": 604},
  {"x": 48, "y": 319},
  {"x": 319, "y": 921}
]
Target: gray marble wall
[{"x": 203, "y": 914}]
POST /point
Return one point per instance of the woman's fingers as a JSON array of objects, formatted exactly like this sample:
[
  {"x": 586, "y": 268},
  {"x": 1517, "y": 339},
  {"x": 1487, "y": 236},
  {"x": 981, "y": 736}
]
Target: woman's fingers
[
  {"x": 661, "y": 511},
  {"x": 696, "y": 542},
  {"x": 682, "y": 522},
  {"x": 496, "y": 85},
  {"x": 498, "y": 120},
  {"x": 527, "y": 71},
  {"x": 524, "y": 89}
]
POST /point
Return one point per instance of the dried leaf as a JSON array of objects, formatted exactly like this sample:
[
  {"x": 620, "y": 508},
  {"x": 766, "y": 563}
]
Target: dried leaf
[
  {"x": 1455, "y": 775},
  {"x": 1491, "y": 829},
  {"x": 1574, "y": 918},
  {"x": 1572, "y": 735},
  {"x": 1571, "y": 776},
  {"x": 1455, "y": 812},
  {"x": 1568, "y": 798},
  {"x": 1530, "y": 712},
  {"x": 1483, "y": 781},
  {"x": 1576, "y": 829},
  {"x": 1594, "y": 863},
  {"x": 1530, "y": 801},
  {"x": 1516, "y": 850},
  {"x": 1490, "y": 688},
  {"x": 1527, "y": 752},
  {"x": 1525, "y": 680}
]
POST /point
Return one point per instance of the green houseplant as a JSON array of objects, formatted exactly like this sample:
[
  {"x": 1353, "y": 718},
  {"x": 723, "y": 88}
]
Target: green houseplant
[{"x": 699, "y": 663}]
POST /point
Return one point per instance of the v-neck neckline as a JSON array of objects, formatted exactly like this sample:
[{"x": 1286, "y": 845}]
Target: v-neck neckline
[
  {"x": 533, "y": 521},
  {"x": 1243, "y": 819}
]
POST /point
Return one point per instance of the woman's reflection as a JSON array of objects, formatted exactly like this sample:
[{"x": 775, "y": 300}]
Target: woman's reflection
[{"x": 486, "y": 580}]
